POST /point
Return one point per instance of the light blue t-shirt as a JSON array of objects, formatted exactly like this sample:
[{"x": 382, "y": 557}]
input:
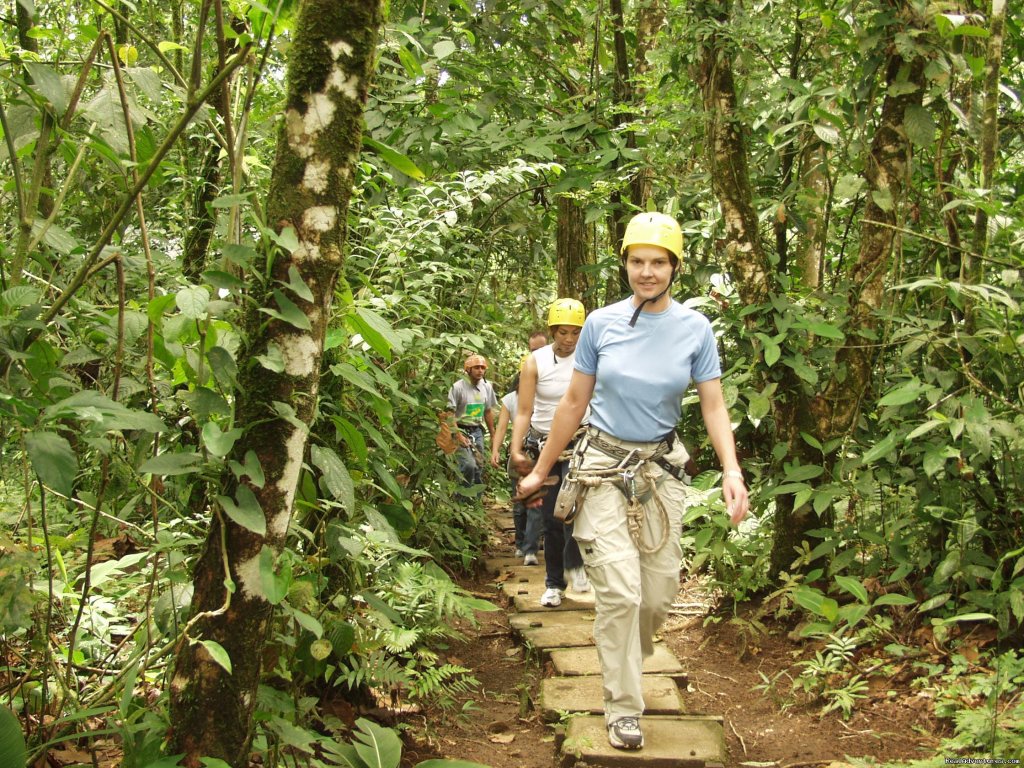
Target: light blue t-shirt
[{"x": 641, "y": 373}]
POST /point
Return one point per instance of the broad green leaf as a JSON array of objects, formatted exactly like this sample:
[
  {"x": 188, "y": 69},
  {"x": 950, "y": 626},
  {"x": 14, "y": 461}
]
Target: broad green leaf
[
  {"x": 882, "y": 198},
  {"x": 849, "y": 186},
  {"x": 101, "y": 572},
  {"x": 168, "y": 45},
  {"x": 219, "y": 443},
  {"x": 772, "y": 352},
  {"x": 275, "y": 584},
  {"x": 801, "y": 472},
  {"x": 192, "y": 301},
  {"x": 273, "y": 360},
  {"x": 903, "y": 394},
  {"x": 251, "y": 469},
  {"x": 826, "y": 133},
  {"x": 934, "y": 602},
  {"x": 223, "y": 365},
  {"x": 298, "y": 285},
  {"x": 377, "y": 331},
  {"x": 90, "y": 405},
  {"x": 293, "y": 736},
  {"x": 813, "y": 600},
  {"x": 854, "y": 587},
  {"x": 377, "y": 746},
  {"x": 53, "y": 460},
  {"x": 880, "y": 449},
  {"x": 444, "y": 48},
  {"x": 893, "y": 598},
  {"x": 335, "y": 476},
  {"x": 289, "y": 312},
  {"x": 827, "y": 330},
  {"x": 853, "y": 613},
  {"x": 395, "y": 158},
  {"x": 12, "y": 743},
  {"x": 919, "y": 125},
  {"x": 217, "y": 653},
  {"x": 57, "y": 238},
  {"x": 48, "y": 83},
  {"x": 287, "y": 238},
  {"x": 969, "y": 617},
  {"x": 758, "y": 406},
  {"x": 178, "y": 463},
  {"x": 307, "y": 622},
  {"x": 247, "y": 512}
]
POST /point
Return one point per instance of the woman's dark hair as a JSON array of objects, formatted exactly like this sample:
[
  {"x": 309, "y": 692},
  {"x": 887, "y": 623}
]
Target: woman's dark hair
[{"x": 514, "y": 386}]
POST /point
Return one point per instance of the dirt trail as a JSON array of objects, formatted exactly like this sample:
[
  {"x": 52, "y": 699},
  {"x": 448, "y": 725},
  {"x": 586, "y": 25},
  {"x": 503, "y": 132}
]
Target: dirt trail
[{"x": 502, "y": 726}]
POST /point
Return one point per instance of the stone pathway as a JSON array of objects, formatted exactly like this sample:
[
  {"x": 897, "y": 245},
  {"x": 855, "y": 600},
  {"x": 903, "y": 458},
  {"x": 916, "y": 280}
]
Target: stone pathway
[{"x": 563, "y": 636}]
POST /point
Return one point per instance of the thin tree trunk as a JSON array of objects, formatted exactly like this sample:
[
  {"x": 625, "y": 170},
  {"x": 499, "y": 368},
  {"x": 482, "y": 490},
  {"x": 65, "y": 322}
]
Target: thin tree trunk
[
  {"x": 573, "y": 251},
  {"x": 318, "y": 145}
]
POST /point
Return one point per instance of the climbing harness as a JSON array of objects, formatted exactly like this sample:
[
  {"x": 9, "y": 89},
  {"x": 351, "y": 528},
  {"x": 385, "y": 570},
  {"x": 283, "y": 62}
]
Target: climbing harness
[{"x": 631, "y": 463}]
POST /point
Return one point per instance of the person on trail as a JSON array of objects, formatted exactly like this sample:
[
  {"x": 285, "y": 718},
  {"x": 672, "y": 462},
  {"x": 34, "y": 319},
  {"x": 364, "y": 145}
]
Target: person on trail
[
  {"x": 471, "y": 399},
  {"x": 542, "y": 382},
  {"x": 537, "y": 340},
  {"x": 634, "y": 362},
  {"x": 528, "y": 522}
]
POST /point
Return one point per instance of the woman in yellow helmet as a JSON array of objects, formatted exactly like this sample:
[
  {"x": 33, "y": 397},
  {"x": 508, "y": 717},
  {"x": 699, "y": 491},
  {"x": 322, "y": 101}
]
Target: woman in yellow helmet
[
  {"x": 543, "y": 380},
  {"x": 633, "y": 364}
]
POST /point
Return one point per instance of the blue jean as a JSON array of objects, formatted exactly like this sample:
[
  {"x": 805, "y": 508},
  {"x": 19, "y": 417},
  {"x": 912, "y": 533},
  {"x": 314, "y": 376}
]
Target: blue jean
[
  {"x": 529, "y": 523},
  {"x": 468, "y": 460},
  {"x": 561, "y": 552}
]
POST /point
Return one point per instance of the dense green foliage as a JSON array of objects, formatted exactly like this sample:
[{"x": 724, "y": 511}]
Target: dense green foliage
[{"x": 119, "y": 336}]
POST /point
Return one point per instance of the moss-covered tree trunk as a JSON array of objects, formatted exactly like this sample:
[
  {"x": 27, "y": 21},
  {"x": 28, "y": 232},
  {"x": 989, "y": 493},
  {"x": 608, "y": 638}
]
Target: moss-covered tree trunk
[
  {"x": 328, "y": 74},
  {"x": 833, "y": 409}
]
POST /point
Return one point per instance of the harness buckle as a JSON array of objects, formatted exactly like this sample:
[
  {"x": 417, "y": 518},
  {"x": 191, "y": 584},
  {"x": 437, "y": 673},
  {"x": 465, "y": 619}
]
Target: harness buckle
[{"x": 629, "y": 484}]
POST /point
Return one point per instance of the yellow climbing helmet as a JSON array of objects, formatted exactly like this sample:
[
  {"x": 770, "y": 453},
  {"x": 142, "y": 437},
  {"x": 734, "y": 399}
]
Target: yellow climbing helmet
[
  {"x": 566, "y": 312},
  {"x": 654, "y": 229}
]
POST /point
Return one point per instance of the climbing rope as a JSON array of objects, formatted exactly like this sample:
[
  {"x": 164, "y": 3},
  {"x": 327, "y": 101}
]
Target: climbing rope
[{"x": 579, "y": 481}]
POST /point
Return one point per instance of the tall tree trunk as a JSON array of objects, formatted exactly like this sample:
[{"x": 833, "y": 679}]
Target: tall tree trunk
[
  {"x": 573, "y": 251},
  {"x": 834, "y": 410},
  {"x": 988, "y": 144},
  {"x": 311, "y": 184},
  {"x": 627, "y": 93}
]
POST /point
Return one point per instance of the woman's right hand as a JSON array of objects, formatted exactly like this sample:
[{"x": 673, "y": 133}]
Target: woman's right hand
[{"x": 528, "y": 486}]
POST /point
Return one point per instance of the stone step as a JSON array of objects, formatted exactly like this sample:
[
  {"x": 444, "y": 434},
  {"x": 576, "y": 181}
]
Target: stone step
[
  {"x": 583, "y": 661},
  {"x": 527, "y": 600},
  {"x": 677, "y": 741},
  {"x": 545, "y": 639},
  {"x": 520, "y": 621},
  {"x": 585, "y": 693}
]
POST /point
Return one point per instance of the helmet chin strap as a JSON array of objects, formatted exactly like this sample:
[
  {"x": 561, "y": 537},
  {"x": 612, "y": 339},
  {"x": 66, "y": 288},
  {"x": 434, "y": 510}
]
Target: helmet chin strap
[{"x": 645, "y": 302}]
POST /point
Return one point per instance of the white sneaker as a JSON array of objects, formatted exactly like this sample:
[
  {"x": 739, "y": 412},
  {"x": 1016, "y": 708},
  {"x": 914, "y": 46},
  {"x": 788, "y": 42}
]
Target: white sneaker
[
  {"x": 580, "y": 582},
  {"x": 530, "y": 559},
  {"x": 625, "y": 733},
  {"x": 552, "y": 598},
  {"x": 519, "y": 552}
]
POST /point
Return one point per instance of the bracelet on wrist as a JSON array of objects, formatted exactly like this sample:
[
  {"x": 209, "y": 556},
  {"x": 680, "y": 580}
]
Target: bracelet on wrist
[{"x": 733, "y": 473}]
